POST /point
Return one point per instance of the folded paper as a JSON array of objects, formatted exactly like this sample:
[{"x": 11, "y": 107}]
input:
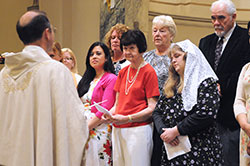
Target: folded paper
[
  {"x": 101, "y": 109},
  {"x": 183, "y": 147}
]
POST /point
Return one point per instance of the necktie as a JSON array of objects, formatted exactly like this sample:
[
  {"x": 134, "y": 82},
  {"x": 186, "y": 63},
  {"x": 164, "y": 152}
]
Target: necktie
[{"x": 218, "y": 52}]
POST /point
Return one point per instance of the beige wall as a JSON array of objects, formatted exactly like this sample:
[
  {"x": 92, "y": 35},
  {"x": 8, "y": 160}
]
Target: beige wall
[
  {"x": 10, "y": 11},
  {"x": 78, "y": 21},
  {"x": 192, "y": 17}
]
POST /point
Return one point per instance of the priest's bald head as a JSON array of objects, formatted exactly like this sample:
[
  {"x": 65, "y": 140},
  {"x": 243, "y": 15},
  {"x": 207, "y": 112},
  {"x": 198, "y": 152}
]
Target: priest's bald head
[{"x": 34, "y": 28}]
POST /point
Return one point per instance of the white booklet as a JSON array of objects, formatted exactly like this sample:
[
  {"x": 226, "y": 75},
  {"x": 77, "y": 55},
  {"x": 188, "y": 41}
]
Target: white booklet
[
  {"x": 101, "y": 109},
  {"x": 246, "y": 155},
  {"x": 183, "y": 147}
]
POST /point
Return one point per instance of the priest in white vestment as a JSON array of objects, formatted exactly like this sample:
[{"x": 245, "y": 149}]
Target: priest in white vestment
[{"x": 41, "y": 119}]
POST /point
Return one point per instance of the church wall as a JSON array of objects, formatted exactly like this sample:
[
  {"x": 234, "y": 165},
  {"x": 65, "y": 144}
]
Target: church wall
[
  {"x": 192, "y": 17},
  {"x": 79, "y": 23},
  {"x": 10, "y": 11}
]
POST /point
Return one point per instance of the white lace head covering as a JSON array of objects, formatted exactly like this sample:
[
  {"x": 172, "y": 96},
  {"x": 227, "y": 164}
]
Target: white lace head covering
[{"x": 197, "y": 69}]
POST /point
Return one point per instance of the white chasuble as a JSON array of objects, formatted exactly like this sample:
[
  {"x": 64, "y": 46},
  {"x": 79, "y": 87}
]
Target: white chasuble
[{"x": 41, "y": 119}]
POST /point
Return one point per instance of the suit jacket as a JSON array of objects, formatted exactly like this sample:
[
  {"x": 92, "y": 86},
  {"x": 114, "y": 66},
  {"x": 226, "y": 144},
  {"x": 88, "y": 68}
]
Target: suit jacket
[{"x": 234, "y": 57}]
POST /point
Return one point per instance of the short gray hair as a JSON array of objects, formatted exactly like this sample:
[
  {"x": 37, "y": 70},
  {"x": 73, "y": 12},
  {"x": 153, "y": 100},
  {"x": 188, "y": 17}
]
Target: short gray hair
[
  {"x": 229, "y": 4},
  {"x": 166, "y": 21}
]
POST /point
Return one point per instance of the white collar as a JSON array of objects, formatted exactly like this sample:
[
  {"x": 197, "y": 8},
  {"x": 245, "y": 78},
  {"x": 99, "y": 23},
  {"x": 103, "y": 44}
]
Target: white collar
[
  {"x": 18, "y": 63},
  {"x": 229, "y": 33}
]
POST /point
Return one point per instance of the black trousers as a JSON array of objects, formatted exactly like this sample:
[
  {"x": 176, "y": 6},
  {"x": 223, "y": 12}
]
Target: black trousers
[
  {"x": 157, "y": 149},
  {"x": 230, "y": 141}
]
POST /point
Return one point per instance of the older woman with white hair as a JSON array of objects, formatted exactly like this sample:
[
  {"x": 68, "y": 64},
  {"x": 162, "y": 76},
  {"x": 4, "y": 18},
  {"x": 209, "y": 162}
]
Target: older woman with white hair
[{"x": 163, "y": 32}]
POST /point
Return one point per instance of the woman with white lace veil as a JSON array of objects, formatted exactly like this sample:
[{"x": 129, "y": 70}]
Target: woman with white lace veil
[{"x": 188, "y": 107}]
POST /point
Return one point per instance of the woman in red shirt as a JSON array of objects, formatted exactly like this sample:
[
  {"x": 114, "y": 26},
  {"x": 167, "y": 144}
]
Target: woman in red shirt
[{"x": 136, "y": 96}]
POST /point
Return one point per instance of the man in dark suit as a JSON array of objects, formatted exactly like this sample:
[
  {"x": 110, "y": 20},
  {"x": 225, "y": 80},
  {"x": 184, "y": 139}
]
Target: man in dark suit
[{"x": 233, "y": 54}]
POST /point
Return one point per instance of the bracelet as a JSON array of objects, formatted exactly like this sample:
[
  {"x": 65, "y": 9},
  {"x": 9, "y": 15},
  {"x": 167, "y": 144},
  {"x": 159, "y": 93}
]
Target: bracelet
[{"x": 130, "y": 119}]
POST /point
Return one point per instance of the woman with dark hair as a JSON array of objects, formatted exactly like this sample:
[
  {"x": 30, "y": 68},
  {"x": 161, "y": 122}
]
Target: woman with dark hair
[
  {"x": 136, "y": 95},
  {"x": 97, "y": 85}
]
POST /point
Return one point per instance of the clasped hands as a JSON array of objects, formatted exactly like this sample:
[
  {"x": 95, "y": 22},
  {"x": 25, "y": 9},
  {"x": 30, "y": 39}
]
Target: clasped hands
[
  {"x": 115, "y": 119},
  {"x": 170, "y": 136}
]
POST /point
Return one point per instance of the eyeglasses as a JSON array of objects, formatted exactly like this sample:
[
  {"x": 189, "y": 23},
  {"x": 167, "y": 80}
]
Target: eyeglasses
[
  {"x": 68, "y": 59},
  {"x": 52, "y": 55},
  {"x": 53, "y": 28}
]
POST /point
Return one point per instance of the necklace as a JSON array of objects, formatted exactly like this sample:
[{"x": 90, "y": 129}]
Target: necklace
[{"x": 133, "y": 80}]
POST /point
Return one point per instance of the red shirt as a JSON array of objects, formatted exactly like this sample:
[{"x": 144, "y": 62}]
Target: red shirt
[{"x": 144, "y": 87}]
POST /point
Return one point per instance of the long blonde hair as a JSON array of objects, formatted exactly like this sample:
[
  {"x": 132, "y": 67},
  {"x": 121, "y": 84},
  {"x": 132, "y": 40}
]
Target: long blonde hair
[
  {"x": 74, "y": 69},
  {"x": 174, "y": 82}
]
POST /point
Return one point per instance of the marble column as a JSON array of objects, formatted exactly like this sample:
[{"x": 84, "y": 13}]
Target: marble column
[
  {"x": 110, "y": 17},
  {"x": 133, "y": 13}
]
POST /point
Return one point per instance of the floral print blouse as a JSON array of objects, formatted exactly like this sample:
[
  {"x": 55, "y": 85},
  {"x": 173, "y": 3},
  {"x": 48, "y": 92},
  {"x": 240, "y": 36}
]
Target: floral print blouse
[
  {"x": 160, "y": 64},
  {"x": 198, "y": 124}
]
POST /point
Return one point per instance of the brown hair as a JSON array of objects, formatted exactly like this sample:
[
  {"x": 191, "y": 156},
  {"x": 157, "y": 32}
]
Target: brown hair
[
  {"x": 174, "y": 82},
  {"x": 57, "y": 46},
  {"x": 119, "y": 28}
]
